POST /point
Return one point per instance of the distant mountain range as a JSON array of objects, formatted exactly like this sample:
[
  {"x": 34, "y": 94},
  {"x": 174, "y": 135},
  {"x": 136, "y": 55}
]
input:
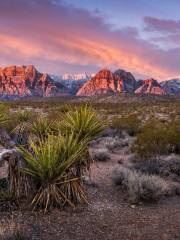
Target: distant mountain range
[
  {"x": 171, "y": 86},
  {"x": 23, "y": 81}
]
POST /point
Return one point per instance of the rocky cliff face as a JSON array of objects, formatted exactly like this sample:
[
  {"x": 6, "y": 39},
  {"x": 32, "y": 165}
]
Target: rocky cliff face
[
  {"x": 150, "y": 86},
  {"x": 120, "y": 81},
  {"x": 24, "y": 81},
  {"x": 102, "y": 83},
  {"x": 128, "y": 80}
]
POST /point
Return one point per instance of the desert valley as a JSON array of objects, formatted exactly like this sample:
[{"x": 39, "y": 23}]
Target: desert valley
[{"x": 121, "y": 140}]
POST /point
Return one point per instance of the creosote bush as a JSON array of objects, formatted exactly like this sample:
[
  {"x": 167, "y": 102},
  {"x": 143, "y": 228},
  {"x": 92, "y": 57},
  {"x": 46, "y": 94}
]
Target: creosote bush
[
  {"x": 157, "y": 139},
  {"x": 131, "y": 124},
  {"x": 3, "y": 115}
]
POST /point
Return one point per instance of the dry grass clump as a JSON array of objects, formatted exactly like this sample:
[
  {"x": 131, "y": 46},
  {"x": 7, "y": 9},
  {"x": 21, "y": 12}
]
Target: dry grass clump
[
  {"x": 101, "y": 155},
  {"x": 12, "y": 231},
  {"x": 140, "y": 187},
  {"x": 116, "y": 143}
]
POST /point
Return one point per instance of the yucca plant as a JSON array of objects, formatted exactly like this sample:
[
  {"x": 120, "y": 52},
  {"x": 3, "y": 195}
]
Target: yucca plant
[
  {"x": 51, "y": 164},
  {"x": 22, "y": 120},
  {"x": 42, "y": 127},
  {"x": 84, "y": 122}
]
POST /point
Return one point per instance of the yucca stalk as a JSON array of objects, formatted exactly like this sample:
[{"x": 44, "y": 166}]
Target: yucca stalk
[{"x": 51, "y": 165}]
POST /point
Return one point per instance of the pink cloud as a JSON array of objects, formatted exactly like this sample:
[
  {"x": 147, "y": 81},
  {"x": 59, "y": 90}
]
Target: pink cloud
[
  {"x": 162, "y": 25},
  {"x": 54, "y": 35}
]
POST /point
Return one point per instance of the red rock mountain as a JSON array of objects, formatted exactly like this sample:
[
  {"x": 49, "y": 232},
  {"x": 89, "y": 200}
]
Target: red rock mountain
[
  {"x": 150, "y": 86},
  {"x": 128, "y": 80},
  {"x": 120, "y": 81},
  {"x": 103, "y": 82},
  {"x": 27, "y": 81}
]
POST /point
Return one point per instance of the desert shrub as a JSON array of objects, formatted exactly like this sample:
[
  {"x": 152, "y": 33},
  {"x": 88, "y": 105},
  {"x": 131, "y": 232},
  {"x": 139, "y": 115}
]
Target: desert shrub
[
  {"x": 157, "y": 139},
  {"x": 145, "y": 187},
  {"x": 3, "y": 115},
  {"x": 101, "y": 155},
  {"x": 51, "y": 164},
  {"x": 140, "y": 187},
  {"x": 120, "y": 176},
  {"x": 150, "y": 141},
  {"x": 131, "y": 124},
  {"x": 148, "y": 165},
  {"x": 173, "y": 136},
  {"x": 114, "y": 143},
  {"x": 174, "y": 166}
]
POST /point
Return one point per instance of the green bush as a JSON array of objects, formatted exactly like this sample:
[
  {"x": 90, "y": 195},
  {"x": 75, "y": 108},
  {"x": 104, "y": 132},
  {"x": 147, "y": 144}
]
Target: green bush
[
  {"x": 131, "y": 124},
  {"x": 3, "y": 115},
  {"x": 157, "y": 139}
]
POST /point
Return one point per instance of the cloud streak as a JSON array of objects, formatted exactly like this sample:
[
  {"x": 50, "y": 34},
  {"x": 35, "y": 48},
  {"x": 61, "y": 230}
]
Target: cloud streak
[
  {"x": 57, "y": 37},
  {"x": 162, "y": 25}
]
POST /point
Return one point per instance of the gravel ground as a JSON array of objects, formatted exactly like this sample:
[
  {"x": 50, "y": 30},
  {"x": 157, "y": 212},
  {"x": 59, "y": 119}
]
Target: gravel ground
[{"x": 108, "y": 215}]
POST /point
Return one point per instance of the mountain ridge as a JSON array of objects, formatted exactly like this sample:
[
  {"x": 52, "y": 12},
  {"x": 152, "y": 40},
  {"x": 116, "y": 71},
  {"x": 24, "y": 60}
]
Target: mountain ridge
[{"x": 24, "y": 81}]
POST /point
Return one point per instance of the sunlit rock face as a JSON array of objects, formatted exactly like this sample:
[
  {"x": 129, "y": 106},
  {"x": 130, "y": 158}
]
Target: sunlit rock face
[
  {"x": 24, "y": 81},
  {"x": 150, "y": 86},
  {"x": 102, "y": 83}
]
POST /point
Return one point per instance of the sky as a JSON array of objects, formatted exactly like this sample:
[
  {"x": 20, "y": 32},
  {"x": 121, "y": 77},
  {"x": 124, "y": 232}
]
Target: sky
[{"x": 58, "y": 36}]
